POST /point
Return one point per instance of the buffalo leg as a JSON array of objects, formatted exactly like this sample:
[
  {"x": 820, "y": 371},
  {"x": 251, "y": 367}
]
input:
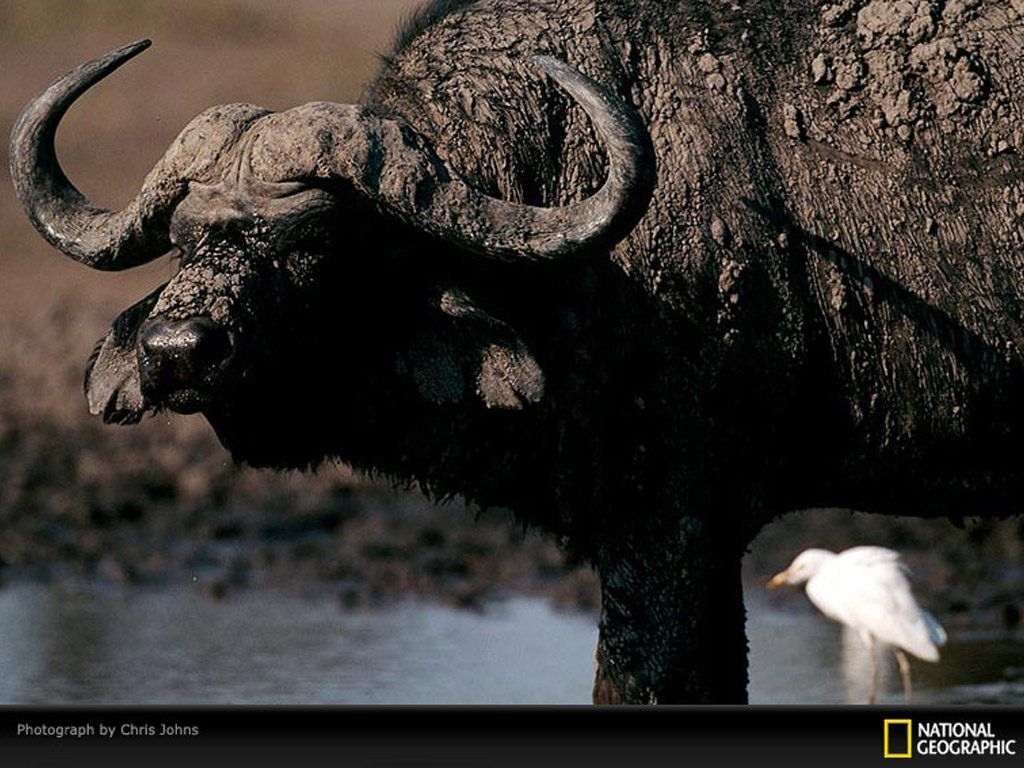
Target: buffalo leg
[{"x": 672, "y": 618}]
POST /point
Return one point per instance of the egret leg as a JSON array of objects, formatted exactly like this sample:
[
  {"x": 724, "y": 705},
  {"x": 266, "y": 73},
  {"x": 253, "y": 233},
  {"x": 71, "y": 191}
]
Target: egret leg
[
  {"x": 904, "y": 662},
  {"x": 873, "y": 696}
]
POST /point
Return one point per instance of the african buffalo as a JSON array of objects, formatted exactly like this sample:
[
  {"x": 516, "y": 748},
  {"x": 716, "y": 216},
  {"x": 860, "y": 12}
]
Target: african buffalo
[{"x": 725, "y": 262}]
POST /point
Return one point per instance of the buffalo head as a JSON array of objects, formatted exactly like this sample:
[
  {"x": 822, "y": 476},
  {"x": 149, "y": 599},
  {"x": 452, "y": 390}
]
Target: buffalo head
[{"x": 284, "y": 224}]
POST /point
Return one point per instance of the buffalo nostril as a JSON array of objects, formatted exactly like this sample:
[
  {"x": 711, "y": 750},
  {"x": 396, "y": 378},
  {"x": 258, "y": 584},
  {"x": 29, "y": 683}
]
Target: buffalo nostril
[
  {"x": 210, "y": 344},
  {"x": 185, "y": 350}
]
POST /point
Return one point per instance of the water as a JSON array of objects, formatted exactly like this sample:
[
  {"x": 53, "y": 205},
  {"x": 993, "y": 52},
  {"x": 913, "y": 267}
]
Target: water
[
  {"x": 799, "y": 657},
  {"x": 90, "y": 644},
  {"x": 177, "y": 646}
]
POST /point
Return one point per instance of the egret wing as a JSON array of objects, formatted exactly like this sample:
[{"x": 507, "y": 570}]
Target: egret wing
[{"x": 878, "y": 599}]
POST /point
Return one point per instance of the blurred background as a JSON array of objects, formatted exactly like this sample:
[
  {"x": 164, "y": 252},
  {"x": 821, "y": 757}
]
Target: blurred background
[{"x": 139, "y": 565}]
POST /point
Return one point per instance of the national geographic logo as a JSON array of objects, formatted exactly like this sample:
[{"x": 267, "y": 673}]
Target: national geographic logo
[
  {"x": 936, "y": 739},
  {"x": 898, "y": 739}
]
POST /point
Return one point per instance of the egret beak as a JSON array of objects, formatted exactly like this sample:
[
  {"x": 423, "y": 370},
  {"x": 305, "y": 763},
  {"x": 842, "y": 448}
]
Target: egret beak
[{"x": 778, "y": 580}]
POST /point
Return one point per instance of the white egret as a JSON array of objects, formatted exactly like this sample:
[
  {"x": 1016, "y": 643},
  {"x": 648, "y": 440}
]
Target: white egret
[{"x": 866, "y": 589}]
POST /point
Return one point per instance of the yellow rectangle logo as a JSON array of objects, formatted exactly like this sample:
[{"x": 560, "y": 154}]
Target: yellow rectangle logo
[{"x": 898, "y": 740}]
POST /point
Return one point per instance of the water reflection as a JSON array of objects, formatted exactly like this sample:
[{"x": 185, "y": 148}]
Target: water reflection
[
  {"x": 858, "y": 668},
  {"x": 78, "y": 644}
]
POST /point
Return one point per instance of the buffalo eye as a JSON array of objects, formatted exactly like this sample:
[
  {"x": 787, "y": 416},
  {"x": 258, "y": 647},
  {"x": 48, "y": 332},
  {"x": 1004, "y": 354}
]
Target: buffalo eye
[{"x": 302, "y": 267}]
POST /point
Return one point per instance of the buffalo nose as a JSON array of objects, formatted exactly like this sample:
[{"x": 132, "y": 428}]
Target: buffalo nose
[{"x": 182, "y": 353}]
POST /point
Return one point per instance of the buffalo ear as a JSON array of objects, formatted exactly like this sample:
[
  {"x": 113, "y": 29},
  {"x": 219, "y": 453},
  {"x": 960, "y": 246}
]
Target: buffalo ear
[
  {"x": 466, "y": 347},
  {"x": 112, "y": 384}
]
